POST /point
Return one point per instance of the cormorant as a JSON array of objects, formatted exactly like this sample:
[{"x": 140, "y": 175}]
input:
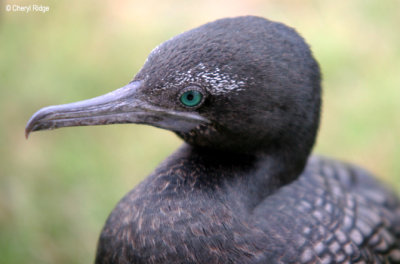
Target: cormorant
[{"x": 244, "y": 94}]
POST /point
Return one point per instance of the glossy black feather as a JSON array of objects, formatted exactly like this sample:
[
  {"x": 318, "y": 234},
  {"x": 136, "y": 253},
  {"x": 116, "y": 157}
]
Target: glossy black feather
[{"x": 244, "y": 189}]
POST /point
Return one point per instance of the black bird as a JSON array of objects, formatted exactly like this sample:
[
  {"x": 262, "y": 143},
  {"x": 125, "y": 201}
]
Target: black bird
[{"x": 244, "y": 94}]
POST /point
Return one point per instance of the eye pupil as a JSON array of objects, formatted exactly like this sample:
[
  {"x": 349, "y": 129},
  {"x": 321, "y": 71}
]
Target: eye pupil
[{"x": 191, "y": 98}]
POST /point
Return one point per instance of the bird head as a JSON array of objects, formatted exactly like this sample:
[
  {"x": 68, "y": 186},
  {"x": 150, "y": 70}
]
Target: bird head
[{"x": 242, "y": 84}]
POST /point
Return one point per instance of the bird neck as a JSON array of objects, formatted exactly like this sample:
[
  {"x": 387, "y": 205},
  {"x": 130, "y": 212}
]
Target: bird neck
[{"x": 252, "y": 176}]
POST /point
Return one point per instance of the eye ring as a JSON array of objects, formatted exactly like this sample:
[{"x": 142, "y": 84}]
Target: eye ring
[{"x": 191, "y": 97}]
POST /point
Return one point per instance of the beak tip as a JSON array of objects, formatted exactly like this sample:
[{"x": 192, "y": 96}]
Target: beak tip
[
  {"x": 35, "y": 122},
  {"x": 27, "y": 132},
  {"x": 32, "y": 123},
  {"x": 28, "y": 129}
]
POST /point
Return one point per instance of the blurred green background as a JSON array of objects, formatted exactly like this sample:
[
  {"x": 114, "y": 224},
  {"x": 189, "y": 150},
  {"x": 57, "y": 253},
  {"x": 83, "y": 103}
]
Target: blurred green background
[{"x": 57, "y": 189}]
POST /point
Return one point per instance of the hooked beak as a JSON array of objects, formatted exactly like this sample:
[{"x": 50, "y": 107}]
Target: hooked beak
[{"x": 123, "y": 105}]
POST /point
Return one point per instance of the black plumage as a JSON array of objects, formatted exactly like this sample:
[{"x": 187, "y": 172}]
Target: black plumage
[{"x": 244, "y": 93}]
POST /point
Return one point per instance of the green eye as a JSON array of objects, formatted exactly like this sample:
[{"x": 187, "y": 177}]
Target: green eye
[{"x": 191, "y": 98}]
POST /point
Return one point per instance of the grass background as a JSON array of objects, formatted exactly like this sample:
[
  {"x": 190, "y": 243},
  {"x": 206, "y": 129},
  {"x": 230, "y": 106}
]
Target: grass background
[{"x": 57, "y": 189}]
